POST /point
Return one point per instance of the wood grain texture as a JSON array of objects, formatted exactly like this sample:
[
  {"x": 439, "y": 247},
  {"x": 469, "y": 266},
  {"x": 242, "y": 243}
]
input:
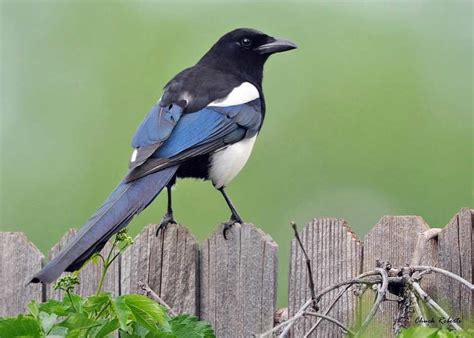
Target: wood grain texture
[
  {"x": 456, "y": 254},
  {"x": 89, "y": 275},
  {"x": 336, "y": 255},
  {"x": 238, "y": 281},
  {"x": 393, "y": 239},
  {"x": 19, "y": 260},
  {"x": 168, "y": 263}
]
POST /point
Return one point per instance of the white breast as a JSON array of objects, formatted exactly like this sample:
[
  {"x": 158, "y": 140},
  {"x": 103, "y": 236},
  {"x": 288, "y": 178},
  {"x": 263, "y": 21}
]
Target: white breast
[{"x": 228, "y": 162}]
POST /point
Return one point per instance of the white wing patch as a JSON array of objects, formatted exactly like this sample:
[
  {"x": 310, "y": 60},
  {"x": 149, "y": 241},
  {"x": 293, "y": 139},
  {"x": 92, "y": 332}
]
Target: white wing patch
[
  {"x": 134, "y": 155},
  {"x": 228, "y": 162},
  {"x": 244, "y": 93}
]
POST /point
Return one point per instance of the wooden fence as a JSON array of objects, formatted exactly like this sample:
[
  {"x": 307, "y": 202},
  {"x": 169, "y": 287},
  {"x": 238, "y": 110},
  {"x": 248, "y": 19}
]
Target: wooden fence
[{"x": 232, "y": 283}]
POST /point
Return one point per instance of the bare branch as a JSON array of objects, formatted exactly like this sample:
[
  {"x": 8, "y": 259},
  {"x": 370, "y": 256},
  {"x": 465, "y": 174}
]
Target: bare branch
[
  {"x": 416, "y": 306},
  {"x": 447, "y": 273},
  {"x": 298, "y": 315},
  {"x": 382, "y": 290},
  {"x": 431, "y": 303},
  {"x": 423, "y": 239},
  {"x": 145, "y": 287},
  {"x": 335, "y": 300},
  {"x": 333, "y": 320},
  {"x": 308, "y": 266}
]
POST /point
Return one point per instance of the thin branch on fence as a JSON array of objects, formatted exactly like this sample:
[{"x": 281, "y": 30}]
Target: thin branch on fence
[
  {"x": 449, "y": 274},
  {"x": 335, "y": 300},
  {"x": 423, "y": 239},
  {"x": 308, "y": 266},
  {"x": 382, "y": 290},
  {"x": 333, "y": 320},
  {"x": 290, "y": 322},
  {"x": 416, "y": 306},
  {"x": 356, "y": 280},
  {"x": 145, "y": 287},
  {"x": 432, "y": 304}
]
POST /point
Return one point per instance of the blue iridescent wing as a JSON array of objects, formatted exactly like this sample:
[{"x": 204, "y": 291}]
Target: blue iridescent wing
[{"x": 200, "y": 133}]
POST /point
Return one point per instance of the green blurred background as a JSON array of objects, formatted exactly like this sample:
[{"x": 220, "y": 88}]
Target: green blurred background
[{"x": 372, "y": 115}]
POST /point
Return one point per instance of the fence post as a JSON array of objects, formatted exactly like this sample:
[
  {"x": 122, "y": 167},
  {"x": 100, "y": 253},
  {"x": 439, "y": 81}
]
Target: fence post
[
  {"x": 19, "y": 260},
  {"x": 168, "y": 263},
  {"x": 238, "y": 281},
  {"x": 336, "y": 256},
  {"x": 456, "y": 254},
  {"x": 393, "y": 239},
  {"x": 89, "y": 275}
]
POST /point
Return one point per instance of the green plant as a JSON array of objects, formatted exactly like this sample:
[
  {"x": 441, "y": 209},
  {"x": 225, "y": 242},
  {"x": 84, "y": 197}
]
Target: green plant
[
  {"x": 431, "y": 332},
  {"x": 102, "y": 315}
]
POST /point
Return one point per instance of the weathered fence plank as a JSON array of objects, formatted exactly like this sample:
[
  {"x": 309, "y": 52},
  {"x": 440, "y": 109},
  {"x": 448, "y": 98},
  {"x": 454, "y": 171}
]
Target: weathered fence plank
[
  {"x": 393, "y": 239},
  {"x": 89, "y": 276},
  {"x": 456, "y": 254},
  {"x": 336, "y": 256},
  {"x": 238, "y": 281},
  {"x": 19, "y": 260},
  {"x": 168, "y": 263}
]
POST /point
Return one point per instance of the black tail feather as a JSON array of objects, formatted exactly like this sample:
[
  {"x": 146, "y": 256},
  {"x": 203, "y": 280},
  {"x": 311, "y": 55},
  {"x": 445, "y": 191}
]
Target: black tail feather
[{"x": 127, "y": 200}]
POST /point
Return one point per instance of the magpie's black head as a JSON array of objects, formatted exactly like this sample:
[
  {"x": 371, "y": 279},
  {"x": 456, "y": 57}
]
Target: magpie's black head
[{"x": 245, "y": 51}]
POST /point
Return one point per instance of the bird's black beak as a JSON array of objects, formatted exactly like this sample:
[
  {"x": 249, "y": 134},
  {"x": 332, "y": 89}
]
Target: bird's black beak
[{"x": 277, "y": 45}]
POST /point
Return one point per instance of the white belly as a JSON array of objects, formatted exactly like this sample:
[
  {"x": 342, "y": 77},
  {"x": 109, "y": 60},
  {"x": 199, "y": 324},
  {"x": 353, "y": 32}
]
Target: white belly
[{"x": 228, "y": 162}]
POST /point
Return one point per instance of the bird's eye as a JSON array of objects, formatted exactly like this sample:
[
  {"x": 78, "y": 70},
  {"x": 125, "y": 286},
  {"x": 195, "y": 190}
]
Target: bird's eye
[{"x": 246, "y": 42}]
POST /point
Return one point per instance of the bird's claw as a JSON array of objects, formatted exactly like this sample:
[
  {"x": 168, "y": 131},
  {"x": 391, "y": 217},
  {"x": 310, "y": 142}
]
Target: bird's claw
[
  {"x": 227, "y": 225},
  {"x": 167, "y": 219}
]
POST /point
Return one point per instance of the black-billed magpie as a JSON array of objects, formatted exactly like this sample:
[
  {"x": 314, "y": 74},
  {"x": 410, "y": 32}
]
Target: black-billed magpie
[{"x": 204, "y": 126}]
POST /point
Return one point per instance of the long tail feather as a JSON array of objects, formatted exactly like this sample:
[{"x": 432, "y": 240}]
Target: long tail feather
[{"x": 127, "y": 200}]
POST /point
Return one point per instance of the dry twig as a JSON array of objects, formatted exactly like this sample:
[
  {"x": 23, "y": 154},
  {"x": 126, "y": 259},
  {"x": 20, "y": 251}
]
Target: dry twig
[
  {"x": 335, "y": 321},
  {"x": 145, "y": 287},
  {"x": 308, "y": 266},
  {"x": 382, "y": 290}
]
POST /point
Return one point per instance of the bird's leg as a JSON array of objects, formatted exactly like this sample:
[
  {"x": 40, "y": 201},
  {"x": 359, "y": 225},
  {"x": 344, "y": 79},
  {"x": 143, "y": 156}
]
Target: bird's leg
[
  {"x": 234, "y": 218},
  {"x": 168, "y": 217}
]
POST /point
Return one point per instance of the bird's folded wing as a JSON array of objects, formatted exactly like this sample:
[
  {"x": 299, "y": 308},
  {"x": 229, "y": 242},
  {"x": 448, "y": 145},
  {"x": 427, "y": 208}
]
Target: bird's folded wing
[
  {"x": 198, "y": 133},
  {"x": 153, "y": 131}
]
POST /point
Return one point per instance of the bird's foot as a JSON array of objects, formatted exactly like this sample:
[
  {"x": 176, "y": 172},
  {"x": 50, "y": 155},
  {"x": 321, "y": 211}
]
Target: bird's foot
[
  {"x": 227, "y": 225},
  {"x": 167, "y": 219}
]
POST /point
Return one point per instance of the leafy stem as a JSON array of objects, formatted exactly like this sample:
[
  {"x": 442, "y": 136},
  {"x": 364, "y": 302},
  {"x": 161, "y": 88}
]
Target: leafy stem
[{"x": 121, "y": 241}]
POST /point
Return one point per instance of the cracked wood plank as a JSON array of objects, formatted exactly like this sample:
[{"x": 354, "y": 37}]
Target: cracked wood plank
[
  {"x": 19, "y": 260},
  {"x": 336, "y": 255},
  {"x": 238, "y": 281},
  {"x": 393, "y": 239},
  {"x": 168, "y": 263},
  {"x": 456, "y": 254}
]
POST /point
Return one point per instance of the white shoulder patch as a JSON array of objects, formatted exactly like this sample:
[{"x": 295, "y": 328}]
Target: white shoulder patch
[
  {"x": 244, "y": 93},
  {"x": 134, "y": 155}
]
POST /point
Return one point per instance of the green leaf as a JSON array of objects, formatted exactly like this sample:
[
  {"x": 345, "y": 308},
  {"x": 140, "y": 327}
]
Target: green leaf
[
  {"x": 148, "y": 313},
  {"x": 419, "y": 332},
  {"x": 57, "y": 331},
  {"x": 78, "y": 321},
  {"x": 20, "y": 326},
  {"x": 187, "y": 326},
  {"x": 122, "y": 312},
  {"x": 54, "y": 306},
  {"x": 96, "y": 303},
  {"x": 106, "y": 327},
  {"x": 33, "y": 308},
  {"x": 48, "y": 321}
]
